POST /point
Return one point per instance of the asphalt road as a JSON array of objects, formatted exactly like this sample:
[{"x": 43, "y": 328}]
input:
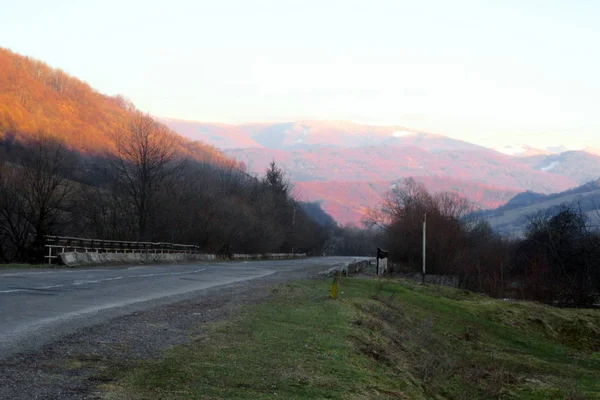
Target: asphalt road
[{"x": 39, "y": 306}]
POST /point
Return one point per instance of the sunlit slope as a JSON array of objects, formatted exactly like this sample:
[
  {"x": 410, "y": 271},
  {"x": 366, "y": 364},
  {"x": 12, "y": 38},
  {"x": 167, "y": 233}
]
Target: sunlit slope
[{"x": 35, "y": 97}]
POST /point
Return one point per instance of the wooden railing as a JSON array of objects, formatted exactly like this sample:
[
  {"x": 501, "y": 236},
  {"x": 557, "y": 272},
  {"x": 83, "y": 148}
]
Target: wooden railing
[{"x": 60, "y": 244}]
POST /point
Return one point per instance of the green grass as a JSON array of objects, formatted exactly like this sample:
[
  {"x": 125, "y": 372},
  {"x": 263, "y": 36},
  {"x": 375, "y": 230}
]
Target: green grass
[{"x": 379, "y": 340}]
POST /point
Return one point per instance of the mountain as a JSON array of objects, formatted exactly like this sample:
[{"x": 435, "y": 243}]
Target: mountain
[
  {"x": 35, "y": 97},
  {"x": 311, "y": 134},
  {"x": 349, "y": 202},
  {"x": 222, "y": 136},
  {"x": 578, "y": 166},
  {"x": 523, "y": 151},
  {"x": 348, "y": 166},
  {"x": 47, "y": 189},
  {"x": 392, "y": 162},
  {"x": 513, "y": 217},
  {"x": 592, "y": 150}
]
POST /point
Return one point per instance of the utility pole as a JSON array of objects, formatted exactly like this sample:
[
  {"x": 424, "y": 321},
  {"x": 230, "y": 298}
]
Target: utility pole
[
  {"x": 424, "y": 245},
  {"x": 293, "y": 228}
]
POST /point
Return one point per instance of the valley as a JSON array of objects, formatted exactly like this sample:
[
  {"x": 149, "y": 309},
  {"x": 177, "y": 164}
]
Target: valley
[
  {"x": 349, "y": 167},
  {"x": 299, "y": 200}
]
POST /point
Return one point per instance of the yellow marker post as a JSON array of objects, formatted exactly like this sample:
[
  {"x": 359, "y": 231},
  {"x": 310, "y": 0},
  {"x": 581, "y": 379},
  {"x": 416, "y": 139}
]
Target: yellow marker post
[{"x": 335, "y": 289}]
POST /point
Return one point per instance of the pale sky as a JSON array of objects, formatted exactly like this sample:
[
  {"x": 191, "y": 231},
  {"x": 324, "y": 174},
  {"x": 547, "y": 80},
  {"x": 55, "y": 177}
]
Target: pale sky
[{"x": 490, "y": 72}]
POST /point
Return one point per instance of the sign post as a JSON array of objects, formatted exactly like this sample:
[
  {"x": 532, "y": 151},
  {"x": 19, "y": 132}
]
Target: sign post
[
  {"x": 424, "y": 245},
  {"x": 382, "y": 258}
]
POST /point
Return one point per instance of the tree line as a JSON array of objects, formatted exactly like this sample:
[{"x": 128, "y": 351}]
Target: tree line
[
  {"x": 145, "y": 190},
  {"x": 556, "y": 262}
]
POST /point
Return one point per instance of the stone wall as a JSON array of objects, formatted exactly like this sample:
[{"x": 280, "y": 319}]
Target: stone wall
[
  {"x": 443, "y": 280},
  {"x": 351, "y": 267},
  {"x": 73, "y": 259},
  {"x": 267, "y": 256}
]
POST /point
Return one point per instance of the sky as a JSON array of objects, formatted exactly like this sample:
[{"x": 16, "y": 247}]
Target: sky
[{"x": 489, "y": 72}]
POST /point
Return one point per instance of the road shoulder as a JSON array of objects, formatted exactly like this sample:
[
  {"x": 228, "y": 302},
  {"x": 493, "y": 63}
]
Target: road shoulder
[{"x": 71, "y": 367}]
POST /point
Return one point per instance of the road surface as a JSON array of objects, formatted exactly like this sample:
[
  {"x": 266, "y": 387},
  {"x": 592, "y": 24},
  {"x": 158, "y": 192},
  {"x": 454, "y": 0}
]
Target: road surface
[{"x": 39, "y": 306}]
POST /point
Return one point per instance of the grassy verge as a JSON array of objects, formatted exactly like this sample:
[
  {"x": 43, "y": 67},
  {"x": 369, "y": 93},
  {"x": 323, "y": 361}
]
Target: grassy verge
[{"x": 380, "y": 340}]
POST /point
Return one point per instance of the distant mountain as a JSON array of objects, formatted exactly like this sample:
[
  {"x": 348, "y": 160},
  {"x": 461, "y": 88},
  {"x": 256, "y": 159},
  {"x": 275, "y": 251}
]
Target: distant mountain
[
  {"x": 578, "y": 166},
  {"x": 349, "y": 202},
  {"x": 317, "y": 214},
  {"x": 523, "y": 151},
  {"x": 222, "y": 136},
  {"x": 348, "y": 166},
  {"x": 311, "y": 134},
  {"x": 35, "y": 97},
  {"x": 592, "y": 150},
  {"x": 392, "y": 162},
  {"x": 513, "y": 217}
]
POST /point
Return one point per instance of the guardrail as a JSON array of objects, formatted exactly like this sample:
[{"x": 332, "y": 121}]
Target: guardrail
[{"x": 61, "y": 244}]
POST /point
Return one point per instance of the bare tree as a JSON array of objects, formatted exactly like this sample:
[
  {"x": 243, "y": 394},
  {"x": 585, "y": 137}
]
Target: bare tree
[
  {"x": 105, "y": 214},
  {"x": 568, "y": 251},
  {"x": 146, "y": 156},
  {"x": 15, "y": 230},
  {"x": 47, "y": 191},
  {"x": 36, "y": 195},
  {"x": 403, "y": 211}
]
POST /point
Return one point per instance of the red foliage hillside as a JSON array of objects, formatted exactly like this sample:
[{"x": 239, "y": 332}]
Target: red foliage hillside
[
  {"x": 348, "y": 202},
  {"x": 348, "y": 166},
  {"x": 35, "y": 97},
  {"x": 386, "y": 163}
]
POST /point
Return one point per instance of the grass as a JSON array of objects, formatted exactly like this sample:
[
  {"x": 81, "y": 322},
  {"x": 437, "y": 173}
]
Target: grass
[{"x": 380, "y": 340}]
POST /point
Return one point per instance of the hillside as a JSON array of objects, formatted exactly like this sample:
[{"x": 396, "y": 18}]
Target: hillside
[
  {"x": 348, "y": 166},
  {"x": 592, "y": 150},
  {"x": 222, "y": 136},
  {"x": 58, "y": 138},
  {"x": 309, "y": 134},
  {"x": 392, "y": 162},
  {"x": 382, "y": 339},
  {"x": 579, "y": 166},
  {"x": 38, "y": 98},
  {"x": 349, "y": 202},
  {"x": 513, "y": 217},
  {"x": 523, "y": 151}
]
